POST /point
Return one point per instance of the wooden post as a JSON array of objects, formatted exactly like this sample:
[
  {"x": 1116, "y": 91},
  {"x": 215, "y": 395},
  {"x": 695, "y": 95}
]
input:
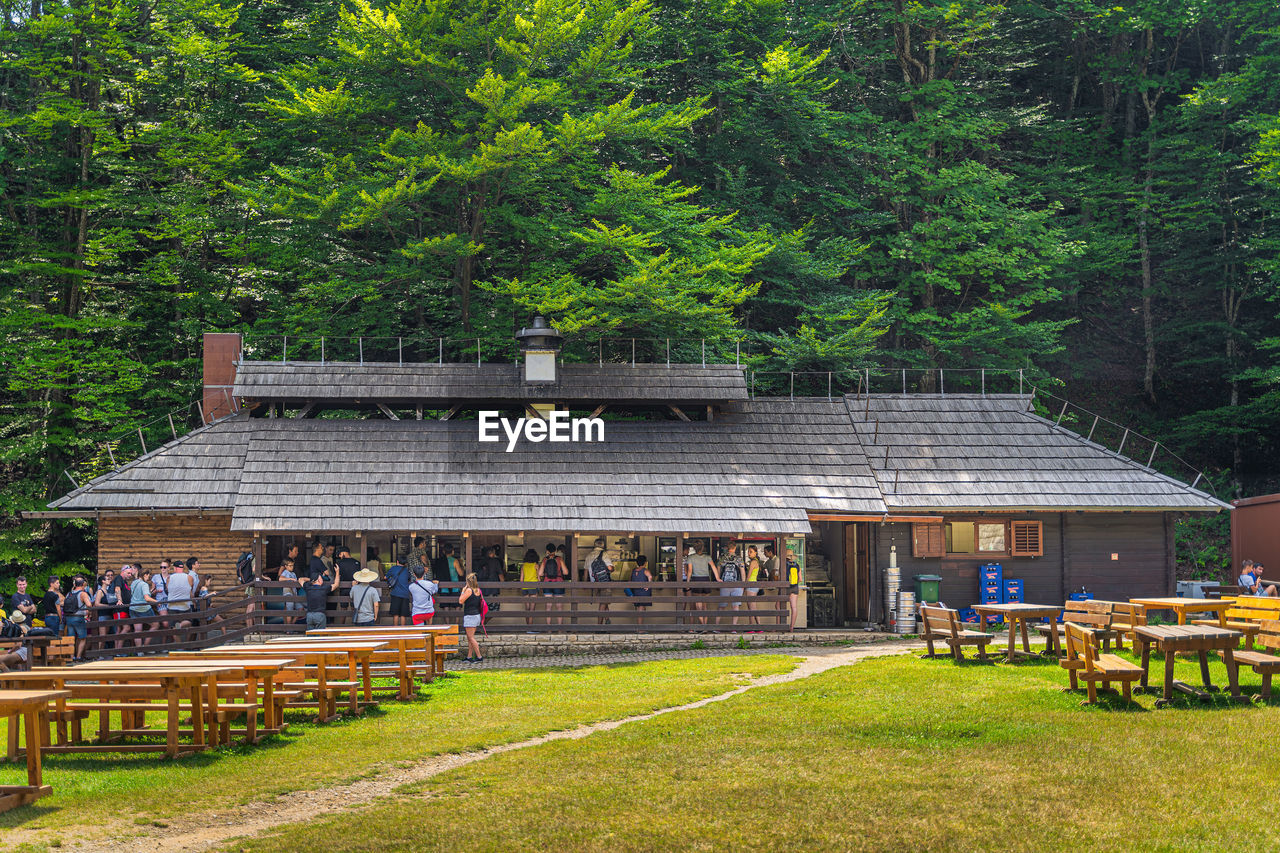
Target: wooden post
[
  {"x": 468, "y": 555},
  {"x": 573, "y": 576},
  {"x": 680, "y": 591},
  {"x": 780, "y": 551}
]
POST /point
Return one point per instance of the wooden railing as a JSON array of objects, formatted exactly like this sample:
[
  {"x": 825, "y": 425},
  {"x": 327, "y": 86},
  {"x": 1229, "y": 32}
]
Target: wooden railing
[{"x": 261, "y": 607}]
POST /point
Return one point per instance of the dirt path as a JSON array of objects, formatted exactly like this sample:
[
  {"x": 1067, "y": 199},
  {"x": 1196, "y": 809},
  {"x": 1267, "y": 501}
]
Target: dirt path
[{"x": 255, "y": 818}]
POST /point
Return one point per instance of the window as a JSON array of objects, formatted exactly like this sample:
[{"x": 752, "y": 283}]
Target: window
[
  {"x": 1028, "y": 538},
  {"x": 927, "y": 540}
]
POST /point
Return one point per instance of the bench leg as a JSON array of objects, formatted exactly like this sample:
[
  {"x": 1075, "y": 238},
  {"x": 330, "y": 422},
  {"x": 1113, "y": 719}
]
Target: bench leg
[
  {"x": 1266, "y": 686},
  {"x": 1075, "y": 681},
  {"x": 1093, "y": 691},
  {"x": 1125, "y": 685},
  {"x": 957, "y": 652}
]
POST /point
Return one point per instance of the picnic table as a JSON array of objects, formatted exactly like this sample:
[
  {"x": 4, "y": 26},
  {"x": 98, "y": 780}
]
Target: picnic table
[
  {"x": 1171, "y": 639},
  {"x": 39, "y": 646},
  {"x": 133, "y": 692},
  {"x": 1184, "y": 606},
  {"x": 258, "y": 681},
  {"x": 440, "y": 634},
  {"x": 32, "y": 706},
  {"x": 1018, "y": 614},
  {"x": 407, "y": 653},
  {"x": 312, "y": 656}
]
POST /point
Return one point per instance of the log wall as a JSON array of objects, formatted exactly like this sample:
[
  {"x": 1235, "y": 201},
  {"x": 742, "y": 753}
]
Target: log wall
[{"x": 176, "y": 537}]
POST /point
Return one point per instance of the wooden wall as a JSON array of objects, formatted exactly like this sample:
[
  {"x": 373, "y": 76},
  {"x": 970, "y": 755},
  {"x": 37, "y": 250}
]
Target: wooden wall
[
  {"x": 1077, "y": 551},
  {"x": 175, "y": 537}
]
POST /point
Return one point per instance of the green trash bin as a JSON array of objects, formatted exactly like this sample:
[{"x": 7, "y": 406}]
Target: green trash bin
[{"x": 927, "y": 588}]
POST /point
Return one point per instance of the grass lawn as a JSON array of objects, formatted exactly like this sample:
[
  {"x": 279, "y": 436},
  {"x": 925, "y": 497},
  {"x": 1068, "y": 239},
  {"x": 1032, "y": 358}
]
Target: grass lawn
[
  {"x": 889, "y": 754},
  {"x": 454, "y": 714}
]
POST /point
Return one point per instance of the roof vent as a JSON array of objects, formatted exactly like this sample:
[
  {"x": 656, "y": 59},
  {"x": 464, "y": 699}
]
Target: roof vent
[{"x": 540, "y": 343}]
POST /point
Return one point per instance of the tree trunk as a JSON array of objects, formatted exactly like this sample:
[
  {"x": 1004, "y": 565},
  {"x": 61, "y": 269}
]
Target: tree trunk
[{"x": 1148, "y": 321}]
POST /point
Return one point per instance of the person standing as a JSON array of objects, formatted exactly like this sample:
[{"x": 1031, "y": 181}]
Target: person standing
[
  {"x": 699, "y": 567},
  {"x": 553, "y": 570},
  {"x": 771, "y": 568},
  {"x": 289, "y": 592},
  {"x": 51, "y": 606},
  {"x": 365, "y": 598},
  {"x": 372, "y": 561},
  {"x": 107, "y": 598},
  {"x": 183, "y": 585},
  {"x": 600, "y": 570},
  {"x": 347, "y": 566},
  {"x": 418, "y": 558},
  {"x": 473, "y": 607},
  {"x": 400, "y": 603},
  {"x": 754, "y": 572},
  {"x": 422, "y": 592},
  {"x": 529, "y": 575},
  {"x": 641, "y": 596},
  {"x": 327, "y": 557},
  {"x": 141, "y": 605},
  {"x": 22, "y": 602},
  {"x": 731, "y": 572},
  {"x": 316, "y": 593},
  {"x": 793, "y": 585},
  {"x": 315, "y": 566},
  {"x": 74, "y": 608}
]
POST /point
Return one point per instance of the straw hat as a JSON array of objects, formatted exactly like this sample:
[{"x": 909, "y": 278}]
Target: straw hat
[
  {"x": 365, "y": 576},
  {"x": 18, "y": 617}
]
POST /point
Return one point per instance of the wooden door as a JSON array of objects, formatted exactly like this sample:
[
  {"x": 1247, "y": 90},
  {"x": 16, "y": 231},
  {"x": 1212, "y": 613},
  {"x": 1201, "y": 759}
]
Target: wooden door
[{"x": 857, "y": 572}]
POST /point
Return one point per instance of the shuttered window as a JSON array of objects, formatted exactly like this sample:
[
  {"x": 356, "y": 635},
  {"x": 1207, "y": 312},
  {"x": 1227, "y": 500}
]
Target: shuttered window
[
  {"x": 927, "y": 540},
  {"x": 1028, "y": 538}
]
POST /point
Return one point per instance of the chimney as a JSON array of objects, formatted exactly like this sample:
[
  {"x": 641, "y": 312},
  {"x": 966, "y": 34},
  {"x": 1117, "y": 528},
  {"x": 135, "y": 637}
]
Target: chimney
[
  {"x": 540, "y": 344},
  {"x": 221, "y": 354}
]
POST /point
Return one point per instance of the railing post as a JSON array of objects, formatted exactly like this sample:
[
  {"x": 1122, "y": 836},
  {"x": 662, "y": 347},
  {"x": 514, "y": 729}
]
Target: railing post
[
  {"x": 753, "y": 385},
  {"x": 633, "y": 352},
  {"x": 1152, "y": 457},
  {"x": 172, "y": 428},
  {"x": 360, "y": 345},
  {"x": 284, "y": 353},
  {"x": 112, "y": 456},
  {"x": 668, "y": 352},
  {"x": 1019, "y": 381},
  {"x": 231, "y": 404},
  {"x": 477, "y": 352},
  {"x": 322, "y": 349},
  {"x": 737, "y": 354},
  {"x": 600, "y": 351},
  {"x": 984, "y": 382},
  {"x": 441, "y": 341},
  {"x": 942, "y": 382},
  {"x": 400, "y": 350},
  {"x": 1061, "y": 413},
  {"x": 1123, "y": 439},
  {"x": 828, "y": 386},
  {"x": 793, "y": 385},
  {"x": 1089, "y": 437},
  {"x": 904, "y": 382},
  {"x": 704, "y": 352},
  {"x": 200, "y": 409},
  {"x": 142, "y": 441}
]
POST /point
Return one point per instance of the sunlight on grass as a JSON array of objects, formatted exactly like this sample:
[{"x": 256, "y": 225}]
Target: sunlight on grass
[
  {"x": 454, "y": 714},
  {"x": 892, "y": 753}
]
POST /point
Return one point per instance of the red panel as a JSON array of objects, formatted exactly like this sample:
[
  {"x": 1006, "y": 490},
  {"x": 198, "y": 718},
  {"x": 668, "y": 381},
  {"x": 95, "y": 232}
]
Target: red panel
[
  {"x": 221, "y": 352},
  {"x": 1255, "y": 534}
]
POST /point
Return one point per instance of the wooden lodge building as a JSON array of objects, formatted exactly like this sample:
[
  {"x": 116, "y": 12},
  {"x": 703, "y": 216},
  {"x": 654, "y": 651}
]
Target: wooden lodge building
[{"x": 371, "y": 454}]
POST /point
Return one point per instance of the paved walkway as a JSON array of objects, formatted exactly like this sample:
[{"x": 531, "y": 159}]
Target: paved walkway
[{"x": 602, "y": 659}]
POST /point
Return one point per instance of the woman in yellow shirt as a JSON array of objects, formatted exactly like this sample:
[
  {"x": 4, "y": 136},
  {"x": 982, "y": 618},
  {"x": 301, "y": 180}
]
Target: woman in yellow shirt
[{"x": 529, "y": 574}]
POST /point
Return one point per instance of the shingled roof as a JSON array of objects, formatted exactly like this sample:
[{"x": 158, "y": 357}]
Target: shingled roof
[
  {"x": 393, "y": 383},
  {"x": 762, "y": 467},
  {"x": 990, "y": 452},
  {"x": 201, "y": 470}
]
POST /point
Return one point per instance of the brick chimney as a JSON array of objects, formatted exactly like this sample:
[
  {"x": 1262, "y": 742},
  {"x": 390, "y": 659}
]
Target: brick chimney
[{"x": 221, "y": 352}]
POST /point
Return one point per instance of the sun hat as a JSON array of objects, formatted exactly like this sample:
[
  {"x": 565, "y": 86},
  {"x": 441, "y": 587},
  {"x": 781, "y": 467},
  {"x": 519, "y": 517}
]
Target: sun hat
[
  {"x": 365, "y": 576},
  {"x": 18, "y": 617}
]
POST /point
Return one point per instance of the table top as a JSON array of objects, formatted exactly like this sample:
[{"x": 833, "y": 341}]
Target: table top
[
  {"x": 386, "y": 629},
  {"x": 283, "y": 648},
  {"x": 1175, "y": 633},
  {"x": 1019, "y": 608},
  {"x": 254, "y": 663},
  {"x": 1182, "y": 603},
  {"x": 339, "y": 640},
  {"x": 13, "y": 700},
  {"x": 119, "y": 673}
]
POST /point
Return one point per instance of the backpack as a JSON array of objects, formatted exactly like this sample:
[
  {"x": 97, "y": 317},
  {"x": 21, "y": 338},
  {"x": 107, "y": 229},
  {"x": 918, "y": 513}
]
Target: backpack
[
  {"x": 552, "y": 571},
  {"x": 244, "y": 567},
  {"x": 600, "y": 569},
  {"x": 730, "y": 571}
]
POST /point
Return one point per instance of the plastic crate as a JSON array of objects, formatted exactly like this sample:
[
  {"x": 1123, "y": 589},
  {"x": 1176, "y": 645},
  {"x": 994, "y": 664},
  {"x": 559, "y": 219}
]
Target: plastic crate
[
  {"x": 968, "y": 614},
  {"x": 1012, "y": 591},
  {"x": 993, "y": 572}
]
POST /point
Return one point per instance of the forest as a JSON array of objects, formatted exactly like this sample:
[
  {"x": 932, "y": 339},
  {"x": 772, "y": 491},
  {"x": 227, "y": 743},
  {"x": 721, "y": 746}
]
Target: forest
[{"x": 1085, "y": 192}]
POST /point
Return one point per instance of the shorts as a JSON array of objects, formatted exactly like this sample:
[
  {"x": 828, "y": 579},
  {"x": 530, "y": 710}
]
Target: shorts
[
  {"x": 23, "y": 653},
  {"x": 423, "y": 618},
  {"x": 471, "y": 620},
  {"x": 551, "y": 592},
  {"x": 754, "y": 590},
  {"x": 51, "y": 622},
  {"x": 316, "y": 620},
  {"x": 794, "y": 589},
  {"x": 400, "y": 606},
  {"x": 735, "y": 592},
  {"x": 700, "y": 591},
  {"x": 641, "y": 603},
  {"x": 528, "y": 590},
  {"x": 141, "y": 614}
]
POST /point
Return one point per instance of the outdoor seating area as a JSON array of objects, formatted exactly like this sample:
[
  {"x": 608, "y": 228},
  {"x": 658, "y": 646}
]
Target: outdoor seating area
[
  {"x": 1079, "y": 635},
  {"x": 192, "y": 700}
]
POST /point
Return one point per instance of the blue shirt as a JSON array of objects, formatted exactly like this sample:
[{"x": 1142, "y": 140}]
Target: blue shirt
[{"x": 399, "y": 577}]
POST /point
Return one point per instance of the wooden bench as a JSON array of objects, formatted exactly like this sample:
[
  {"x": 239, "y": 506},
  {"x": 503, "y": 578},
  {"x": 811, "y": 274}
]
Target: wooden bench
[
  {"x": 61, "y": 651},
  {"x": 1125, "y": 616},
  {"x": 943, "y": 624},
  {"x": 1266, "y": 665},
  {"x": 1246, "y": 615},
  {"x": 1095, "y": 615},
  {"x": 1085, "y": 661}
]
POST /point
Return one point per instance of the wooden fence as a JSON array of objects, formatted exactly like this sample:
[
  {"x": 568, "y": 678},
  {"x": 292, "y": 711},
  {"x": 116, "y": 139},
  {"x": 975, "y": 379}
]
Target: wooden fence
[{"x": 263, "y": 607}]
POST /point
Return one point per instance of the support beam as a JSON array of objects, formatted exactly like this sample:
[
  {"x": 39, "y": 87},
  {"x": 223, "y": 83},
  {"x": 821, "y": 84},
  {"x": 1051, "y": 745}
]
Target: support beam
[
  {"x": 678, "y": 413},
  {"x": 306, "y": 411},
  {"x": 452, "y": 411},
  {"x": 382, "y": 407},
  {"x": 598, "y": 409},
  {"x": 418, "y": 411}
]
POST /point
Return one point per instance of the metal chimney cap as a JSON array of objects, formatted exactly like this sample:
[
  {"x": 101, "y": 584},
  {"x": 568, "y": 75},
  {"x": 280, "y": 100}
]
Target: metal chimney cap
[{"x": 540, "y": 335}]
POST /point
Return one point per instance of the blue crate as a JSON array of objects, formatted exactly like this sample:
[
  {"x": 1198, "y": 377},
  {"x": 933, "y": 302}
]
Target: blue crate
[
  {"x": 968, "y": 614},
  {"x": 993, "y": 572},
  {"x": 1012, "y": 591},
  {"x": 1080, "y": 596}
]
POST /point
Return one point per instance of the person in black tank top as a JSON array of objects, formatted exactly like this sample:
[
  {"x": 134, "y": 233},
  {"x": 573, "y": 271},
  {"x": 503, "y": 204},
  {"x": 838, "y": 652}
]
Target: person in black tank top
[{"x": 473, "y": 607}]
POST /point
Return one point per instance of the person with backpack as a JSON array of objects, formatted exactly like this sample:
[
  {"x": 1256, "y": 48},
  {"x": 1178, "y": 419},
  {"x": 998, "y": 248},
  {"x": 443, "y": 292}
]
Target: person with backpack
[
  {"x": 552, "y": 570},
  {"x": 755, "y": 573},
  {"x": 474, "y": 610},
  {"x": 422, "y": 593},
  {"x": 731, "y": 571},
  {"x": 365, "y": 598},
  {"x": 642, "y": 596},
  {"x": 74, "y": 608},
  {"x": 400, "y": 603},
  {"x": 600, "y": 570},
  {"x": 699, "y": 567},
  {"x": 529, "y": 575},
  {"x": 316, "y": 592},
  {"x": 793, "y": 585}
]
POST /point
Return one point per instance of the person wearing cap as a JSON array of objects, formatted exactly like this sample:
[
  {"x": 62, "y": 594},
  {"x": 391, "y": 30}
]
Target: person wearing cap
[
  {"x": 316, "y": 592},
  {"x": 422, "y": 594},
  {"x": 14, "y": 627},
  {"x": 75, "y": 613},
  {"x": 365, "y": 598}
]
